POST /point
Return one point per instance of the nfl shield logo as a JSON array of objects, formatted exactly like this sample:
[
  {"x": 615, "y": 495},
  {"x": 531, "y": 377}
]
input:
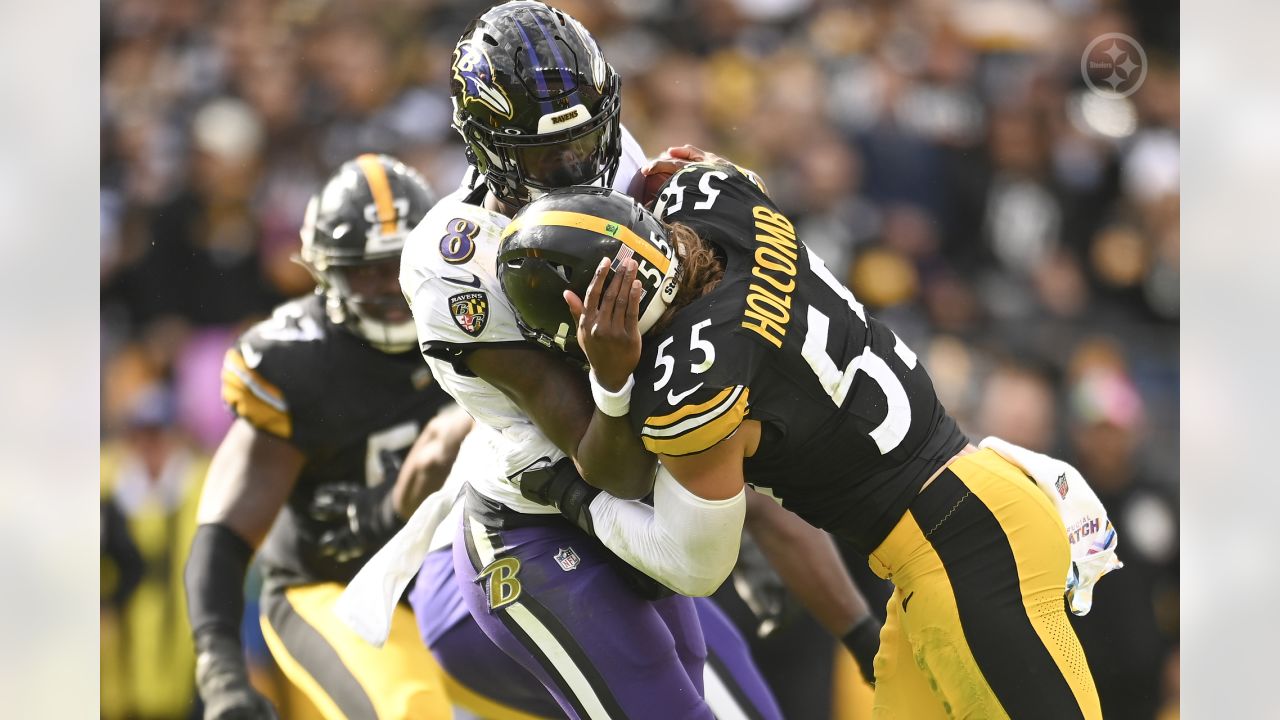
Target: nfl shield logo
[
  {"x": 1061, "y": 485},
  {"x": 470, "y": 311},
  {"x": 568, "y": 559}
]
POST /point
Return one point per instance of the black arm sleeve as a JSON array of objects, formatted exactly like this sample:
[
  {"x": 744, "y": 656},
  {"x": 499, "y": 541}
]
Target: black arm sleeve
[{"x": 215, "y": 581}]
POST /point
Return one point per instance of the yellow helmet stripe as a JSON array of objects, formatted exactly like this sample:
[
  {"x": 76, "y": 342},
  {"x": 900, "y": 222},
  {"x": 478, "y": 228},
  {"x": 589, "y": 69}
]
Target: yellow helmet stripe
[
  {"x": 624, "y": 234},
  {"x": 376, "y": 176}
]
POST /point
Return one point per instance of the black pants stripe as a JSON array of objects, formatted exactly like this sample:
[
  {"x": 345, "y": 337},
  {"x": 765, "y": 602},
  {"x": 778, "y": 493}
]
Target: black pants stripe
[
  {"x": 310, "y": 650},
  {"x": 978, "y": 558},
  {"x": 740, "y": 697},
  {"x": 977, "y": 626}
]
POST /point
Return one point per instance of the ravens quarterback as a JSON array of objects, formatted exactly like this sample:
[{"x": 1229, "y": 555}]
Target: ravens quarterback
[
  {"x": 539, "y": 108},
  {"x": 758, "y": 366},
  {"x": 329, "y": 397}
]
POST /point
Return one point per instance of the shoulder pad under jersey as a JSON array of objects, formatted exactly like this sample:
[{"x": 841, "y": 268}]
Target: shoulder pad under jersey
[
  {"x": 266, "y": 371},
  {"x": 693, "y": 382},
  {"x": 721, "y": 202},
  {"x": 448, "y": 274}
]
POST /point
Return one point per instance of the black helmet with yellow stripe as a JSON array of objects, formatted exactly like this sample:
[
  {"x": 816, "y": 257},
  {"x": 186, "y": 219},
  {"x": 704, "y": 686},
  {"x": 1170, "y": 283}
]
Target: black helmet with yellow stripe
[
  {"x": 352, "y": 236},
  {"x": 556, "y": 243}
]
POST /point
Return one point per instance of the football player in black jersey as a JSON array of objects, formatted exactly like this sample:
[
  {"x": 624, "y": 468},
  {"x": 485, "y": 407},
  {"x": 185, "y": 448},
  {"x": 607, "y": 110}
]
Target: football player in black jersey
[
  {"x": 538, "y": 107},
  {"x": 329, "y": 396},
  {"x": 759, "y": 367}
]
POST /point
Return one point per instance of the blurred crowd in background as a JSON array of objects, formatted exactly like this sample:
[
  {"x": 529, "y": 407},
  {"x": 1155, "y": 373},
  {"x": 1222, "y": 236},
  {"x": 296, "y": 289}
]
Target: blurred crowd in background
[{"x": 1017, "y": 229}]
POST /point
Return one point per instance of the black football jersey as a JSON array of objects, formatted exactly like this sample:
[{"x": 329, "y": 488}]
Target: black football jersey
[
  {"x": 851, "y": 424},
  {"x": 353, "y": 410}
]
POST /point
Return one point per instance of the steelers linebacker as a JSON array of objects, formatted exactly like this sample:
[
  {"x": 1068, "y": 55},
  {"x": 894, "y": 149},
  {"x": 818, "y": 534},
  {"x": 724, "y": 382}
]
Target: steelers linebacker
[
  {"x": 539, "y": 108},
  {"x": 329, "y": 396},
  {"x": 759, "y": 367}
]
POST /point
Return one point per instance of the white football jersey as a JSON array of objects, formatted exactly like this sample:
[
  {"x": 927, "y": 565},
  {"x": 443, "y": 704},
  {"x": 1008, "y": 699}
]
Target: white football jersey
[{"x": 448, "y": 273}]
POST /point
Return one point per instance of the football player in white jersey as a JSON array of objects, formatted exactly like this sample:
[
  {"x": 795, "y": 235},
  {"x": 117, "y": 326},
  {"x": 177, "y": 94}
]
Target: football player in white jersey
[{"x": 538, "y": 106}]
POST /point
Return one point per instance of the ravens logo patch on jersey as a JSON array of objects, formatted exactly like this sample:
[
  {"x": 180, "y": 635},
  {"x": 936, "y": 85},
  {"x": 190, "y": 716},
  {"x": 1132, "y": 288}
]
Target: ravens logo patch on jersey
[{"x": 470, "y": 311}]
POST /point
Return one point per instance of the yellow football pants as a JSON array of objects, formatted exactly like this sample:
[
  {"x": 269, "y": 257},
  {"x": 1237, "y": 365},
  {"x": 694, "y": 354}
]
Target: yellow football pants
[
  {"x": 977, "y": 626},
  {"x": 340, "y": 673}
]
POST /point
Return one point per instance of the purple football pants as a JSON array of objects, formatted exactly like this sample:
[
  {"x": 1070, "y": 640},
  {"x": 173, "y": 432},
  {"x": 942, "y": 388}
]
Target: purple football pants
[{"x": 553, "y": 600}]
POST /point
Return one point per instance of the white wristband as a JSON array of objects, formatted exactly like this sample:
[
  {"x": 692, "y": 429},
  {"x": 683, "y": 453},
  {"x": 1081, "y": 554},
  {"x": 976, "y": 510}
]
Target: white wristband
[{"x": 613, "y": 404}]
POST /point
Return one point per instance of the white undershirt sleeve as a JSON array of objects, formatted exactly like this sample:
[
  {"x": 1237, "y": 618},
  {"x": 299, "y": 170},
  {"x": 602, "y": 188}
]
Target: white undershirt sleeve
[{"x": 687, "y": 543}]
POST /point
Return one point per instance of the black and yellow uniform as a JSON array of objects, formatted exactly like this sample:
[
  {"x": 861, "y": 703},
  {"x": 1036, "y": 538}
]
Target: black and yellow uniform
[
  {"x": 353, "y": 411},
  {"x": 978, "y": 564},
  {"x": 851, "y": 431},
  {"x": 851, "y": 425}
]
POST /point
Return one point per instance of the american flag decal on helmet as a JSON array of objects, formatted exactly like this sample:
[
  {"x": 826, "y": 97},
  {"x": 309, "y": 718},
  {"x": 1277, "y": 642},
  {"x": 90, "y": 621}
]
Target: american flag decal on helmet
[{"x": 624, "y": 254}]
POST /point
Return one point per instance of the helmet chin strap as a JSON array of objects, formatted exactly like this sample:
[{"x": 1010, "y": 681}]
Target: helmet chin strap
[
  {"x": 387, "y": 337},
  {"x": 535, "y": 193},
  {"x": 666, "y": 293},
  {"x": 391, "y": 338}
]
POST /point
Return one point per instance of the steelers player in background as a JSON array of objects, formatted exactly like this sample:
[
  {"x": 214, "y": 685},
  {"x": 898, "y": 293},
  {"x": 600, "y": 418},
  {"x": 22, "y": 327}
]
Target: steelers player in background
[
  {"x": 759, "y": 367},
  {"x": 329, "y": 396}
]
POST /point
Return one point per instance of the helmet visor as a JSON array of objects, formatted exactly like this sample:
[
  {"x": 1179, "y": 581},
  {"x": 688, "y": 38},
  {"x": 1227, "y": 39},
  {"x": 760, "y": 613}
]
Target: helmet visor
[
  {"x": 373, "y": 290},
  {"x": 577, "y": 161}
]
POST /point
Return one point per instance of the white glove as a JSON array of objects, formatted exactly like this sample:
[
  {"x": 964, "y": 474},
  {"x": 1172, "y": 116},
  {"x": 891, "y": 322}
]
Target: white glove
[{"x": 1093, "y": 540}]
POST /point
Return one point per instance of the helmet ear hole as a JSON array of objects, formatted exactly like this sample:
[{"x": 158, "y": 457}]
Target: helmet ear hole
[{"x": 564, "y": 271}]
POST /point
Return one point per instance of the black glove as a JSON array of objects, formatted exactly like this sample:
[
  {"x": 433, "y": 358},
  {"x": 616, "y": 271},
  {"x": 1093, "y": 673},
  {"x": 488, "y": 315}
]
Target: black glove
[
  {"x": 864, "y": 642},
  {"x": 223, "y": 682},
  {"x": 762, "y": 590},
  {"x": 367, "y": 515},
  {"x": 561, "y": 487}
]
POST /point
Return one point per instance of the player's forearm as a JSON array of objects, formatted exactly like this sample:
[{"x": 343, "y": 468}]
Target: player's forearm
[
  {"x": 611, "y": 457},
  {"x": 686, "y": 542},
  {"x": 430, "y": 460},
  {"x": 554, "y": 394},
  {"x": 809, "y": 564},
  {"x": 214, "y": 581}
]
